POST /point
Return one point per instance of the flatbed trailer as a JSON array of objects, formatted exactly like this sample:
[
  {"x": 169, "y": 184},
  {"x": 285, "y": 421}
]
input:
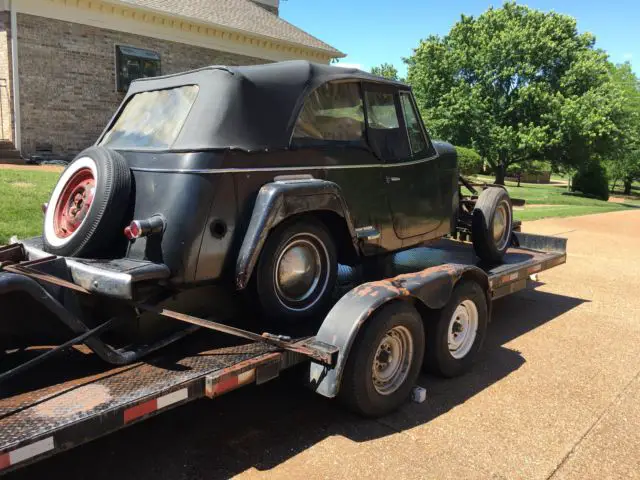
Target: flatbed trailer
[{"x": 76, "y": 398}]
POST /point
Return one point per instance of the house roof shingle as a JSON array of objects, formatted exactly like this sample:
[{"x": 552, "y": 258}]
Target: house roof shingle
[{"x": 241, "y": 15}]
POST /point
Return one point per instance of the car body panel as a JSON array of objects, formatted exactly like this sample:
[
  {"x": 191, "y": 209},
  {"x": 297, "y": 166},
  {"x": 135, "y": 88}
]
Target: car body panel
[
  {"x": 279, "y": 200},
  {"x": 208, "y": 194}
]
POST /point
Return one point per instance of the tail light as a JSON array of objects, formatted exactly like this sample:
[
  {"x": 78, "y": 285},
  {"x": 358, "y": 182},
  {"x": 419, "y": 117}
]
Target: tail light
[{"x": 142, "y": 228}]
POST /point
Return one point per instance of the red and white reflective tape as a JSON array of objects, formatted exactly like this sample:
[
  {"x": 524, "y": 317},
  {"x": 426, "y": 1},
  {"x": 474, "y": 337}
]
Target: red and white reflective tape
[
  {"x": 217, "y": 386},
  {"x": 142, "y": 409},
  {"x": 534, "y": 269},
  {"x": 509, "y": 278},
  {"x": 25, "y": 453}
]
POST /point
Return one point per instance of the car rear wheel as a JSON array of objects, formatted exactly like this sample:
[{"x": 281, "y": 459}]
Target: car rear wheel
[
  {"x": 88, "y": 204},
  {"x": 296, "y": 271},
  {"x": 492, "y": 224}
]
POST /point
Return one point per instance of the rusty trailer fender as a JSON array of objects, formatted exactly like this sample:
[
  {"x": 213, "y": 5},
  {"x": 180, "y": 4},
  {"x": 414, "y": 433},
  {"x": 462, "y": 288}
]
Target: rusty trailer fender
[{"x": 432, "y": 287}]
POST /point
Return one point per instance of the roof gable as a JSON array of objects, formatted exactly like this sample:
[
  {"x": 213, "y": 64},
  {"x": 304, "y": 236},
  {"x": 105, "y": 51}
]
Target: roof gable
[{"x": 241, "y": 15}]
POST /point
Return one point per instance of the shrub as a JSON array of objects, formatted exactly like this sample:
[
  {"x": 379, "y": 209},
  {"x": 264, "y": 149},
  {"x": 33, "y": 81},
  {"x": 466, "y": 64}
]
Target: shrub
[
  {"x": 592, "y": 180},
  {"x": 469, "y": 162},
  {"x": 534, "y": 167}
]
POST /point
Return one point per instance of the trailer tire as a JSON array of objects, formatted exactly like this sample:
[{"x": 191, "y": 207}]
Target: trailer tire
[
  {"x": 450, "y": 350},
  {"x": 492, "y": 224},
  {"x": 101, "y": 181},
  {"x": 384, "y": 362}
]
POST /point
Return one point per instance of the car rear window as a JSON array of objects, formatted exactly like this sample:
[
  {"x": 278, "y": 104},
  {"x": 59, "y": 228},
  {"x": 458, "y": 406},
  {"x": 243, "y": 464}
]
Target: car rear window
[{"x": 151, "y": 119}]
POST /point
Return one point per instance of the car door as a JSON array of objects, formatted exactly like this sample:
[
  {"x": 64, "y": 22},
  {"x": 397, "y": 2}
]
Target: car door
[
  {"x": 330, "y": 133},
  {"x": 411, "y": 179},
  {"x": 432, "y": 197}
]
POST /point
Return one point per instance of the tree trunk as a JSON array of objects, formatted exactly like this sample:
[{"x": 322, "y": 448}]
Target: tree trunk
[
  {"x": 613, "y": 185},
  {"x": 628, "y": 181},
  {"x": 500, "y": 171},
  {"x": 501, "y": 168}
]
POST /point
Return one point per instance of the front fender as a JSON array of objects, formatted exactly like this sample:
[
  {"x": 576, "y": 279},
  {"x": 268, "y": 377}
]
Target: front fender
[
  {"x": 276, "y": 202},
  {"x": 432, "y": 287}
]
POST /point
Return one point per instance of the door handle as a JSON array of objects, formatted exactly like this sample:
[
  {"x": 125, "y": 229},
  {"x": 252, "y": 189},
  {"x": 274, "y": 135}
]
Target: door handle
[{"x": 391, "y": 179}]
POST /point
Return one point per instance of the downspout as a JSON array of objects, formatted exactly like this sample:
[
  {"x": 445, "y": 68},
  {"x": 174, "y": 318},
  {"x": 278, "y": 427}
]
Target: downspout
[{"x": 15, "y": 77}]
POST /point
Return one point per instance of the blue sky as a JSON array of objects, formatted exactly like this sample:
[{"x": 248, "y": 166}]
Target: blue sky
[{"x": 375, "y": 31}]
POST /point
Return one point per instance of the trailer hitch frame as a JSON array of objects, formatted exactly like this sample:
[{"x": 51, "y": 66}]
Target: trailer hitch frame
[{"x": 21, "y": 276}]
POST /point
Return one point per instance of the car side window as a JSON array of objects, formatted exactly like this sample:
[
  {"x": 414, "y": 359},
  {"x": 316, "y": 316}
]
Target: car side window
[
  {"x": 386, "y": 135},
  {"x": 331, "y": 113},
  {"x": 417, "y": 140},
  {"x": 381, "y": 110}
]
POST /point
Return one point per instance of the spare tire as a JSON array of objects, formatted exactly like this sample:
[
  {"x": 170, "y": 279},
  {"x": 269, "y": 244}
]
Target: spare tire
[
  {"x": 88, "y": 204},
  {"x": 492, "y": 224}
]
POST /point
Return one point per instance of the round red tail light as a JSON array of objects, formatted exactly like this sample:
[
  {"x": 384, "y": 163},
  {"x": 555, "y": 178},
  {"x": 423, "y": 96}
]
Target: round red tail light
[{"x": 142, "y": 228}]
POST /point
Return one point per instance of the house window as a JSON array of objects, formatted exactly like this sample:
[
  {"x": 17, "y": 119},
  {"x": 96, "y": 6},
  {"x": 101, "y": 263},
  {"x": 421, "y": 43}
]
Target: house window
[{"x": 132, "y": 63}]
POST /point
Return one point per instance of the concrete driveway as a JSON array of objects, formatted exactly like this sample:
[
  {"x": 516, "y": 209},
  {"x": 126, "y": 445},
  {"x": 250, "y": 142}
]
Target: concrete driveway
[{"x": 556, "y": 394}]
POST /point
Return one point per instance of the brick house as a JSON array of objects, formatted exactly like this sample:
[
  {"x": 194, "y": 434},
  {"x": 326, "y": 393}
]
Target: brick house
[{"x": 65, "y": 64}]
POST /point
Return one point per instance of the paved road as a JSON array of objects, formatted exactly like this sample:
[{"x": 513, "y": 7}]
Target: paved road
[{"x": 556, "y": 394}]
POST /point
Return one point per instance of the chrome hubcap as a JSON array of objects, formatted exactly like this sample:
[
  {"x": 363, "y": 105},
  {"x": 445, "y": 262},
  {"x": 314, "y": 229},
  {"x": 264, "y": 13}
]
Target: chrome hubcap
[
  {"x": 463, "y": 328},
  {"x": 301, "y": 272},
  {"x": 298, "y": 270},
  {"x": 392, "y": 360}
]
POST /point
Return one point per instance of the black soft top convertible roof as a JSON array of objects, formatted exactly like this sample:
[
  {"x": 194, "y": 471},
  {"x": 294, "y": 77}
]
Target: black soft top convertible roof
[{"x": 250, "y": 107}]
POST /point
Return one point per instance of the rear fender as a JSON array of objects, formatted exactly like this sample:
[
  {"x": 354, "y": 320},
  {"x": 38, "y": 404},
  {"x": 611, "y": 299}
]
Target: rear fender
[
  {"x": 431, "y": 287},
  {"x": 280, "y": 200}
]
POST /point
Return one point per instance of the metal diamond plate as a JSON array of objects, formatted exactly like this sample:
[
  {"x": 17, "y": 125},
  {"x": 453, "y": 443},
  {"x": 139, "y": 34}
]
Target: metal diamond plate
[{"x": 43, "y": 410}]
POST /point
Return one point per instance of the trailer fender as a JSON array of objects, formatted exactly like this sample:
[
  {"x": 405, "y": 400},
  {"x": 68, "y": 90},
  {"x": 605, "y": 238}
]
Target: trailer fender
[
  {"x": 431, "y": 287},
  {"x": 279, "y": 200}
]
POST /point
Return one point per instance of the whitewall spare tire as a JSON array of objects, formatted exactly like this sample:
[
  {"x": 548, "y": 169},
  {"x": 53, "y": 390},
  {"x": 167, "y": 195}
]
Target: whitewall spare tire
[{"x": 88, "y": 204}]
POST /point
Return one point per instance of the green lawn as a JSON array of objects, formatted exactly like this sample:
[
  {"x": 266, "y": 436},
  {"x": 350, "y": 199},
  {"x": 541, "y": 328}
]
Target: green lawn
[
  {"x": 550, "y": 200},
  {"x": 22, "y": 192}
]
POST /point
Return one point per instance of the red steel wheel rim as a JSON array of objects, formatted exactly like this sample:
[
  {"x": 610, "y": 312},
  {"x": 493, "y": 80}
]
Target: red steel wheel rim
[{"x": 74, "y": 203}]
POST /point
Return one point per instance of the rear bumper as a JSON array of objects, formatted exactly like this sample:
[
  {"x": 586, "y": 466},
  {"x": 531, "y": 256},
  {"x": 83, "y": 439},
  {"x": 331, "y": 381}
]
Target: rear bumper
[
  {"x": 115, "y": 278},
  {"x": 32, "y": 310}
]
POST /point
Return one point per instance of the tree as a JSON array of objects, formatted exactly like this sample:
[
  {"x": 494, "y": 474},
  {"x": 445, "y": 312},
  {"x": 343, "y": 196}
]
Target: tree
[
  {"x": 386, "y": 70},
  {"x": 516, "y": 84},
  {"x": 623, "y": 162}
]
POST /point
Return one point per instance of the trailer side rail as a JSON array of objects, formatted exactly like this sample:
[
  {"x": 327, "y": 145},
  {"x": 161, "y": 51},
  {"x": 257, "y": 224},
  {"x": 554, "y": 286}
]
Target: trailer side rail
[
  {"x": 534, "y": 254},
  {"x": 39, "y": 424}
]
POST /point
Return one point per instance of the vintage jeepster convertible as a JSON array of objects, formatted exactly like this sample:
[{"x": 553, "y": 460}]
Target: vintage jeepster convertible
[{"x": 249, "y": 185}]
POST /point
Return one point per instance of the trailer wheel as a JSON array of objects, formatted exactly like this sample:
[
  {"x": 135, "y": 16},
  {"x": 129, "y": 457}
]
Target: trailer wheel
[
  {"x": 384, "y": 362},
  {"x": 296, "y": 271},
  {"x": 491, "y": 224},
  {"x": 88, "y": 204},
  {"x": 457, "y": 332}
]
